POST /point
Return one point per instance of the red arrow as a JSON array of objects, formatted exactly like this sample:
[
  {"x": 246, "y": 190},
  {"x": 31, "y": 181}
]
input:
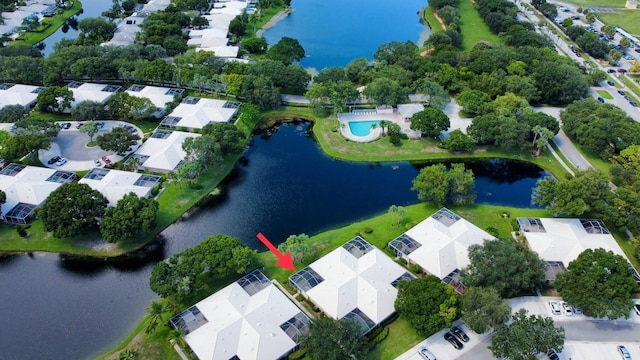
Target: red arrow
[{"x": 284, "y": 261}]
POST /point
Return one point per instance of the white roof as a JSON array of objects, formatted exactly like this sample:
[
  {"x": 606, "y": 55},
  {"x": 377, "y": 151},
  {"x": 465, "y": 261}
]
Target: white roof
[
  {"x": 220, "y": 21},
  {"x": 157, "y": 95},
  {"x": 564, "y": 239},
  {"x": 29, "y": 186},
  {"x": 350, "y": 282},
  {"x": 407, "y": 110},
  {"x": 205, "y": 111},
  {"x": 244, "y": 325},
  {"x": 444, "y": 248},
  {"x": 116, "y": 184},
  {"x": 19, "y": 94},
  {"x": 90, "y": 91},
  {"x": 222, "y": 51},
  {"x": 164, "y": 154},
  {"x": 155, "y": 5}
]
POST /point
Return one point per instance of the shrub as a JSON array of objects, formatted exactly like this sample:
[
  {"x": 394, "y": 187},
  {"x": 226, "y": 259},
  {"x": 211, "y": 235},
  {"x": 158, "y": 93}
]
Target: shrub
[
  {"x": 155, "y": 190},
  {"x": 492, "y": 230},
  {"x": 300, "y": 297},
  {"x": 377, "y": 339},
  {"x": 298, "y": 354},
  {"x": 21, "y": 231},
  {"x": 415, "y": 268},
  {"x": 368, "y": 230}
]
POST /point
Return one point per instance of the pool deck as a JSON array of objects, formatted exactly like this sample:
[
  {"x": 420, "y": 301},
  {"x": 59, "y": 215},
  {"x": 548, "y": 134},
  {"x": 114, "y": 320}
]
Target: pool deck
[{"x": 370, "y": 115}]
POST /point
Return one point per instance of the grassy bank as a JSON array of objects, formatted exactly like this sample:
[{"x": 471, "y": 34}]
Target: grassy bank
[
  {"x": 472, "y": 27},
  {"x": 33, "y": 37},
  {"x": 430, "y": 18}
]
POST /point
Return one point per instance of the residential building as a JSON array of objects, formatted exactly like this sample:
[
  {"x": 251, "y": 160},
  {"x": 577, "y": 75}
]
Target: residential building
[
  {"x": 195, "y": 113},
  {"x": 115, "y": 184},
  {"x": 162, "y": 152}
]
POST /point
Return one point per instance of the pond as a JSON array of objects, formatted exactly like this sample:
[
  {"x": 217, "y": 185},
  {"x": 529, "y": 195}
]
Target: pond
[
  {"x": 334, "y": 32},
  {"x": 54, "y": 308}
]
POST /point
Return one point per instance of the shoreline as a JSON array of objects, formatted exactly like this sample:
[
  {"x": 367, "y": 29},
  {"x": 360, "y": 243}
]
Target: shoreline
[{"x": 274, "y": 20}]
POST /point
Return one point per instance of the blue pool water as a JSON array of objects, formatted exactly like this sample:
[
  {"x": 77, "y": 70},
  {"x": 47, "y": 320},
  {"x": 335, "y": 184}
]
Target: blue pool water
[{"x": 362, "y": 128}]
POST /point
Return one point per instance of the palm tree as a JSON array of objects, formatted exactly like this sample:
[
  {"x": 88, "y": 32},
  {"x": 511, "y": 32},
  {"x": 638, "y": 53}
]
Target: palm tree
[{"x": 155, "y": 311}]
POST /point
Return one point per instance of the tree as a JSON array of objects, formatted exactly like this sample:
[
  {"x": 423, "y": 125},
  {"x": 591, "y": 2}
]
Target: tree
[
  {"x": 587, "y": 192},
  {"x": 526, "y": 337},
  {"x": 190, "y": 270},
  {"x": 600, "y": 282},
  {"x": 260, "y": 90},
  {"x": 483, "y": 308},
  {"x": 505, "y": 265},
  {"x": 384, "y": 91},
  {"x": 255, "y": 45},
  {"x": 90, "y": 128},
  {"x": 438, "y": 186},
  {"x": 427, "y": 304},
  {"x": 430, "y": 122},
  {"x": 398, "y": 211},
  {"x": 298, "y": 246},
  {"x": 230, "y": 139},
  {"x": 541, "y": 136},
  {"x": 12, "y": 113},
  {"x": 474, "y": 102},
  {"x": 334, "y": 339},
  {"x": 117, "y": 140},
  {"x": 55, "y": 99},
  {"x": 287, "y": 50},
  {"x": 72, "y": 209},
  {"x": 559, "y": 83},
  {"x": 3, "y": 198},
  {"x": 131, "y": 216},
  {"x": 437, "y": 96},
  {"x": 88, "y": 110},
  {"x": 96, "y": 30},
  {"x": 203, "y": 150},
  {"x": 125, "y": 106},
  {"x": 608, "y": 30},
  {"x": 458, "y": 141},
  {"x": 20, "y": 145},
  {"x": 155, "y": 312}
]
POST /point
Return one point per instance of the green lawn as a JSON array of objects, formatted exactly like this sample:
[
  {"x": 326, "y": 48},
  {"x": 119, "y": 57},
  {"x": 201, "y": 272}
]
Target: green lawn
[
  {"x": 605, "y": 94},
  {"x": 472, "y": 27},
  {"x": 431, "y": 20},
  {"x": 598, "y": 3},
  {"x": 401, "y": 337},
  {"x": 624, "y": 18},
  {"x": 32, "y": 38}
]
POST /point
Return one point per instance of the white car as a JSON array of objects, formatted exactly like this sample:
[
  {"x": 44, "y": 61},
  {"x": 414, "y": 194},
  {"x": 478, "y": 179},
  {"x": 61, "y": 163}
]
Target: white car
[
  {"x": 577, "y": 310},
  {"x": 567, "y": 309},
  {"x": 426, "y": 354},
  {"x": 555, "y": 307},
  {"x": 61, "y": 161}
]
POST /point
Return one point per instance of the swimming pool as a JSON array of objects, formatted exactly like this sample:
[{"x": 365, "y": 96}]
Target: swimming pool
[{"x": 362, "y": 128}]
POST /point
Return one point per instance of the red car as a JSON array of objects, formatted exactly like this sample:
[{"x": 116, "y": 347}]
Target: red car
[
  {"x": 106, "y": 160},
  {"x": 578, "y": 54}
]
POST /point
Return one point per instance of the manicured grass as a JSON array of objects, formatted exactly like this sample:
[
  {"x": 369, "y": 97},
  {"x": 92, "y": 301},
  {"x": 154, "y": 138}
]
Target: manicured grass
[
  {"x": 631, "y": 84},
  {"x": 598, "y": 3},
  {"x": 605, "y": 94},
  {"x": 595, "y": 160},
  {"x": 624, "y": 18},
  {"x": 472, "y": 27},
  {"x": 431, "y": 20},
  {"x": 32, "y": 38},
  {"x": 401, "y": 337}
]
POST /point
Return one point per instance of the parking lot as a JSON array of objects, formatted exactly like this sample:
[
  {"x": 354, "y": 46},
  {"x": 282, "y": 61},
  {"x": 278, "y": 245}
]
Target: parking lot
[{"x": 72, "y": 145}]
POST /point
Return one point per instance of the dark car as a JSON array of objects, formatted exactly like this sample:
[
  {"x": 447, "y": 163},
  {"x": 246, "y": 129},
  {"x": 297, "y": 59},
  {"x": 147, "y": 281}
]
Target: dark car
[
  {"x": 621, "y": 92},
  {"x": 453, "y": 341},
  {"x": 601, "y": 99},
  {"x": 53, "y": 160},
  {"x": 553, "y": 355},
  {"x": 459, "y": 334},
  {"x": 611, "y": 71},
  {"x": 610, "y": 83},
  {"x": 636, "y": 307},
  {"x": 627, "y": 97},
  {"x": 633, "y": 103},
  {"x": 622, "y": 71}
]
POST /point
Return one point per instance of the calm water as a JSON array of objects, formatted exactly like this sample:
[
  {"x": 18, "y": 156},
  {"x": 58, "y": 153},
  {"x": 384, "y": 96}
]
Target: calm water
[
  {"x": 90, "y": 9},
  {"x": 61, "y": 309},
  {"x": 334, "y": 32},
  {"x": 362, "y": 128}
]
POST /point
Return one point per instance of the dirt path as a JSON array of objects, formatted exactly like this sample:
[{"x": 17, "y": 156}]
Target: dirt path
[{"x": 435, "y": 14}]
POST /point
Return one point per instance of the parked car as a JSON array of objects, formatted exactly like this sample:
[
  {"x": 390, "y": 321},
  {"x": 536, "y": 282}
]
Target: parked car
[
  {"x": 79, "y": 125},
  {"x": 426, "y": 354},
  {"x": 637, "y": 50},
  {"x": 621, "y": 92},
  {"x": 100, "y": 124},
  {"x": 97, "y": 162},
  {"x": 453, "y": 341},
  {"x": 611, "y": 71},
  {"x": 567, "y": 309},
  {"x": 633, "y": 103},
  {"x": 577, "y": 310},
  {"x": 624, "y": 352},
  {"x": 106, "y": 160},
  {"x": 578, "y": 54},
  {"x": 627, "y": 97},
  {"x": 61, "y": 161},
  {"x": 610, "y": 83},
  {"x": 553, "y": 355},
  {"x": 601, "y": 99},
  {"x": 636, "y": 307},
  {"x": 459, "y": 333},
  {"x": 53, "y": 160},
  {"x": 628, "y": 57},
  {"x": 622, "y": 71},
  {"x": 555, "y": 307}
]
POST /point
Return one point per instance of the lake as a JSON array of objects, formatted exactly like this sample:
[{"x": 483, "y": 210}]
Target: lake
[
  {"x": 61, "y": 309},
  {"x": 334, "y": 32}
]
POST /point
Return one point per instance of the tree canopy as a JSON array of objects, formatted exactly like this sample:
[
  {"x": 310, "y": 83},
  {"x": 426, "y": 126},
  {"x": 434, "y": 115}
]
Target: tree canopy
[
  {"x": 427, "y": 303},
  {"x": 430, "y": 122},
  {"x": 436, "y": 185},
  {"x": 189, "y": 271},
  {"x": 72, "y": 209},
  {"x": 131, "y": 216},
  {"x": 334, "y": 340},
  {"x": 505, "y": 265},
  {"x": 287, "y": 50},
  {"x": 118, "y": 140},
  {"x": 600, "y": 282},
  {"x": 88, "y": 110},
  {"x": 55, "y": 99},
  {"x": 526, "y": 336},
  {"x": 483, "y": 308},
  {"x": 587, "y": 192}
]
